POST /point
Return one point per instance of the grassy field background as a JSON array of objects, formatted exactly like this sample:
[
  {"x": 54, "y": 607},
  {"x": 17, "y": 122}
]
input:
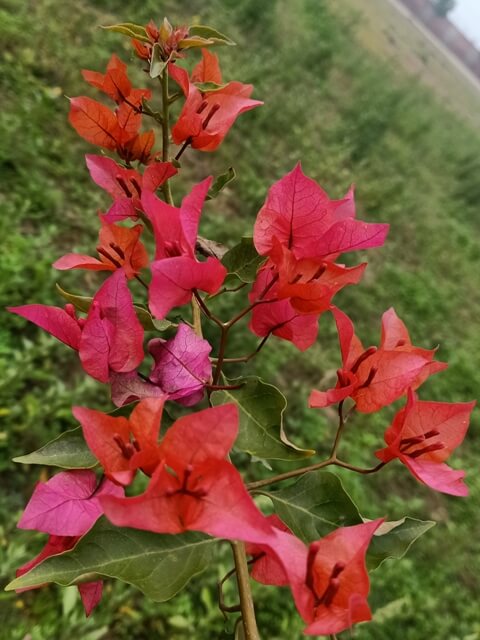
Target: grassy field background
[{"x": 352, "y": 111}]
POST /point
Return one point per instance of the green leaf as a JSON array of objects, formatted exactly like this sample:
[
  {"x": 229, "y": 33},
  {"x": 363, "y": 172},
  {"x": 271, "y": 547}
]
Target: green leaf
[
  {"x": 394, "y": 539},
  {"x": 195, "y": 41},
  {"x": 243, "y": 260},
  {"x": 68, "y": 451},
  {"x": 82, "y": 303},
  {"x": 314, "y": 505},
  {"x": 220, "y": 182},
  {"x": 157, "y": 63},
  {"x": 210, "y": 34},
  {"x": 210, "y": 87},
  {"x": 317, "y": 504},
  {"x": 159, "y": 565},
  {"x": 261, "y": 408},
  {"x": 129, "y": 29}
]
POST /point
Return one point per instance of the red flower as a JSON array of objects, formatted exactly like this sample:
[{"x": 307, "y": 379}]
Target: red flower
[
  {"x": 114, "y": 130},
  {"x": 375, "y": 378},
  {"x": 207, "y": 116},
  {"x": 329, "y": 580},
  {"x": 119, "y": 247},
  {"x": 295, "y": 293},
  {"x": 176, "y": 271},
  {"x": 423, "y": 435},
  {"x": 194, "y": 487},
  {"x": 124, "y": 445},
  {"x": 126, "y": 185}
]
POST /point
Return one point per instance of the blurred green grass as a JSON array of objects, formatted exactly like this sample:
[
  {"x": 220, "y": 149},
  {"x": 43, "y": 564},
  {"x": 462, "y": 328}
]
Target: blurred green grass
[{"x": 350, "y": 118}]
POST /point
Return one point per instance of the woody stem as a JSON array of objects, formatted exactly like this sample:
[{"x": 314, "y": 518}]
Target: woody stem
[
  {"x": 165, "y": 133},
  {"x": 244, "y": 590}
]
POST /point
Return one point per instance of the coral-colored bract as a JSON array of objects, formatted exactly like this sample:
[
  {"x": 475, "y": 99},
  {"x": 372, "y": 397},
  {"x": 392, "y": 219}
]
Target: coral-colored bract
[{"x": 162, "y": 277}]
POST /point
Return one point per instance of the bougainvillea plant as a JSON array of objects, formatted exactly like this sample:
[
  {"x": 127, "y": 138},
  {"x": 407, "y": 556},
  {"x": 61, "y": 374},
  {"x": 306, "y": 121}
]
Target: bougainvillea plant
[{"x": 144, "y": 497}]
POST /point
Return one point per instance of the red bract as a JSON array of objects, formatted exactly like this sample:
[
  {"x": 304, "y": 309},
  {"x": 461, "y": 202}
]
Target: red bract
[
  {"x": 118, "y": 130},
  {"x": 126, "y": 185},
  {"x": 176, "y": 271},
  {"x": 195, "y": 488},
  {"x": 119, "y": 247},
  {"x": 109, "y": 339},
  {"x": 338, "y": 580},
  {"x": 68, "y": 504},
  {"x": 374, "y": 378},
  {"x": 115, "y": 82},
  {"x": 207, "y": 70},
  {"x": 301, "y": 216},
  {"x": 207, "y": 116},
  {"x": 124, "y": 445},
  {"x": 423, "y": 435},
  {"x": 329, "y": 580}
]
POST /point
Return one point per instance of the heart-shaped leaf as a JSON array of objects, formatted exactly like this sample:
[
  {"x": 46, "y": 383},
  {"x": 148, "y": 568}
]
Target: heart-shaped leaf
[
  {"x": 261, "y": 408},
  {"x": 68, "y": 451},
  {"x": 314, "y": 505},
  {"x": 159, "y": 565}
]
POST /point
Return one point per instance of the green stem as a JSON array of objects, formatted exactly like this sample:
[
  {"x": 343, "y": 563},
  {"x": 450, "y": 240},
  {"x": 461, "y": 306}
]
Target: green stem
[
  {"x": 165, "y": 133},
  {"x": 245, "y": 592}
]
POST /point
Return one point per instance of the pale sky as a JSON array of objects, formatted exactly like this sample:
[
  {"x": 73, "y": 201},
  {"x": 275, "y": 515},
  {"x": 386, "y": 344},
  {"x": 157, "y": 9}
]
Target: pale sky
[{"x": 466, "y": 16}]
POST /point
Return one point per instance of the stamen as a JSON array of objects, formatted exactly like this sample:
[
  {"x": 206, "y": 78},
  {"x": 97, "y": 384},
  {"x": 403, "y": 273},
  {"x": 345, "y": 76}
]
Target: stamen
[
  {"x": 211, "y": 113},
  {"x": 321, "y": 269},
  {"x": 371, "y": 376},
  {"x": 406, "y": 443},
  {"x": 297, "y": 278},
  {"x": 202, "y": 107},
  {"x": 113, "y": 260},
  {"x": 125, "y": 447},
  {"x": 81, "y": 322},
  {"x": 136, "y": 186},
  {"x": 361, "y": 358},
  {"x": 401, "y": 343},
  {"x": 342, "y": 378},
  {"x": 118, "y": 250},
  {"x": 333, "y": 585},
  {"x": 123, "y": 185},
  {"x": 432, "y": 447},
  {"x": 312, "y": 552}
]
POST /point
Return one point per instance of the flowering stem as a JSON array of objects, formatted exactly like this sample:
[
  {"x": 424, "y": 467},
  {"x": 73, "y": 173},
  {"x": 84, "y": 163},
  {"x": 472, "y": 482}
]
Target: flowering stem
[
  {"x": 165, "y": 133},
  {"x": 245, "y": 592},
  {"x": 338, "y": 435}
]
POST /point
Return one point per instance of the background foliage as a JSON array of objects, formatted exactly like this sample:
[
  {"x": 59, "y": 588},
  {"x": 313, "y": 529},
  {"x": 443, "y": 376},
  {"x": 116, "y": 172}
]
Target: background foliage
[{"x": 349, "y": 117}]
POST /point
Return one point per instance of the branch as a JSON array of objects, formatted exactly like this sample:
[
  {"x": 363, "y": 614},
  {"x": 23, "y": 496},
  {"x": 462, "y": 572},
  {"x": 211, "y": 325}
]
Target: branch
[
  {"x": 165, "y": 133},
  {"x": 244, "y": 590}
]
